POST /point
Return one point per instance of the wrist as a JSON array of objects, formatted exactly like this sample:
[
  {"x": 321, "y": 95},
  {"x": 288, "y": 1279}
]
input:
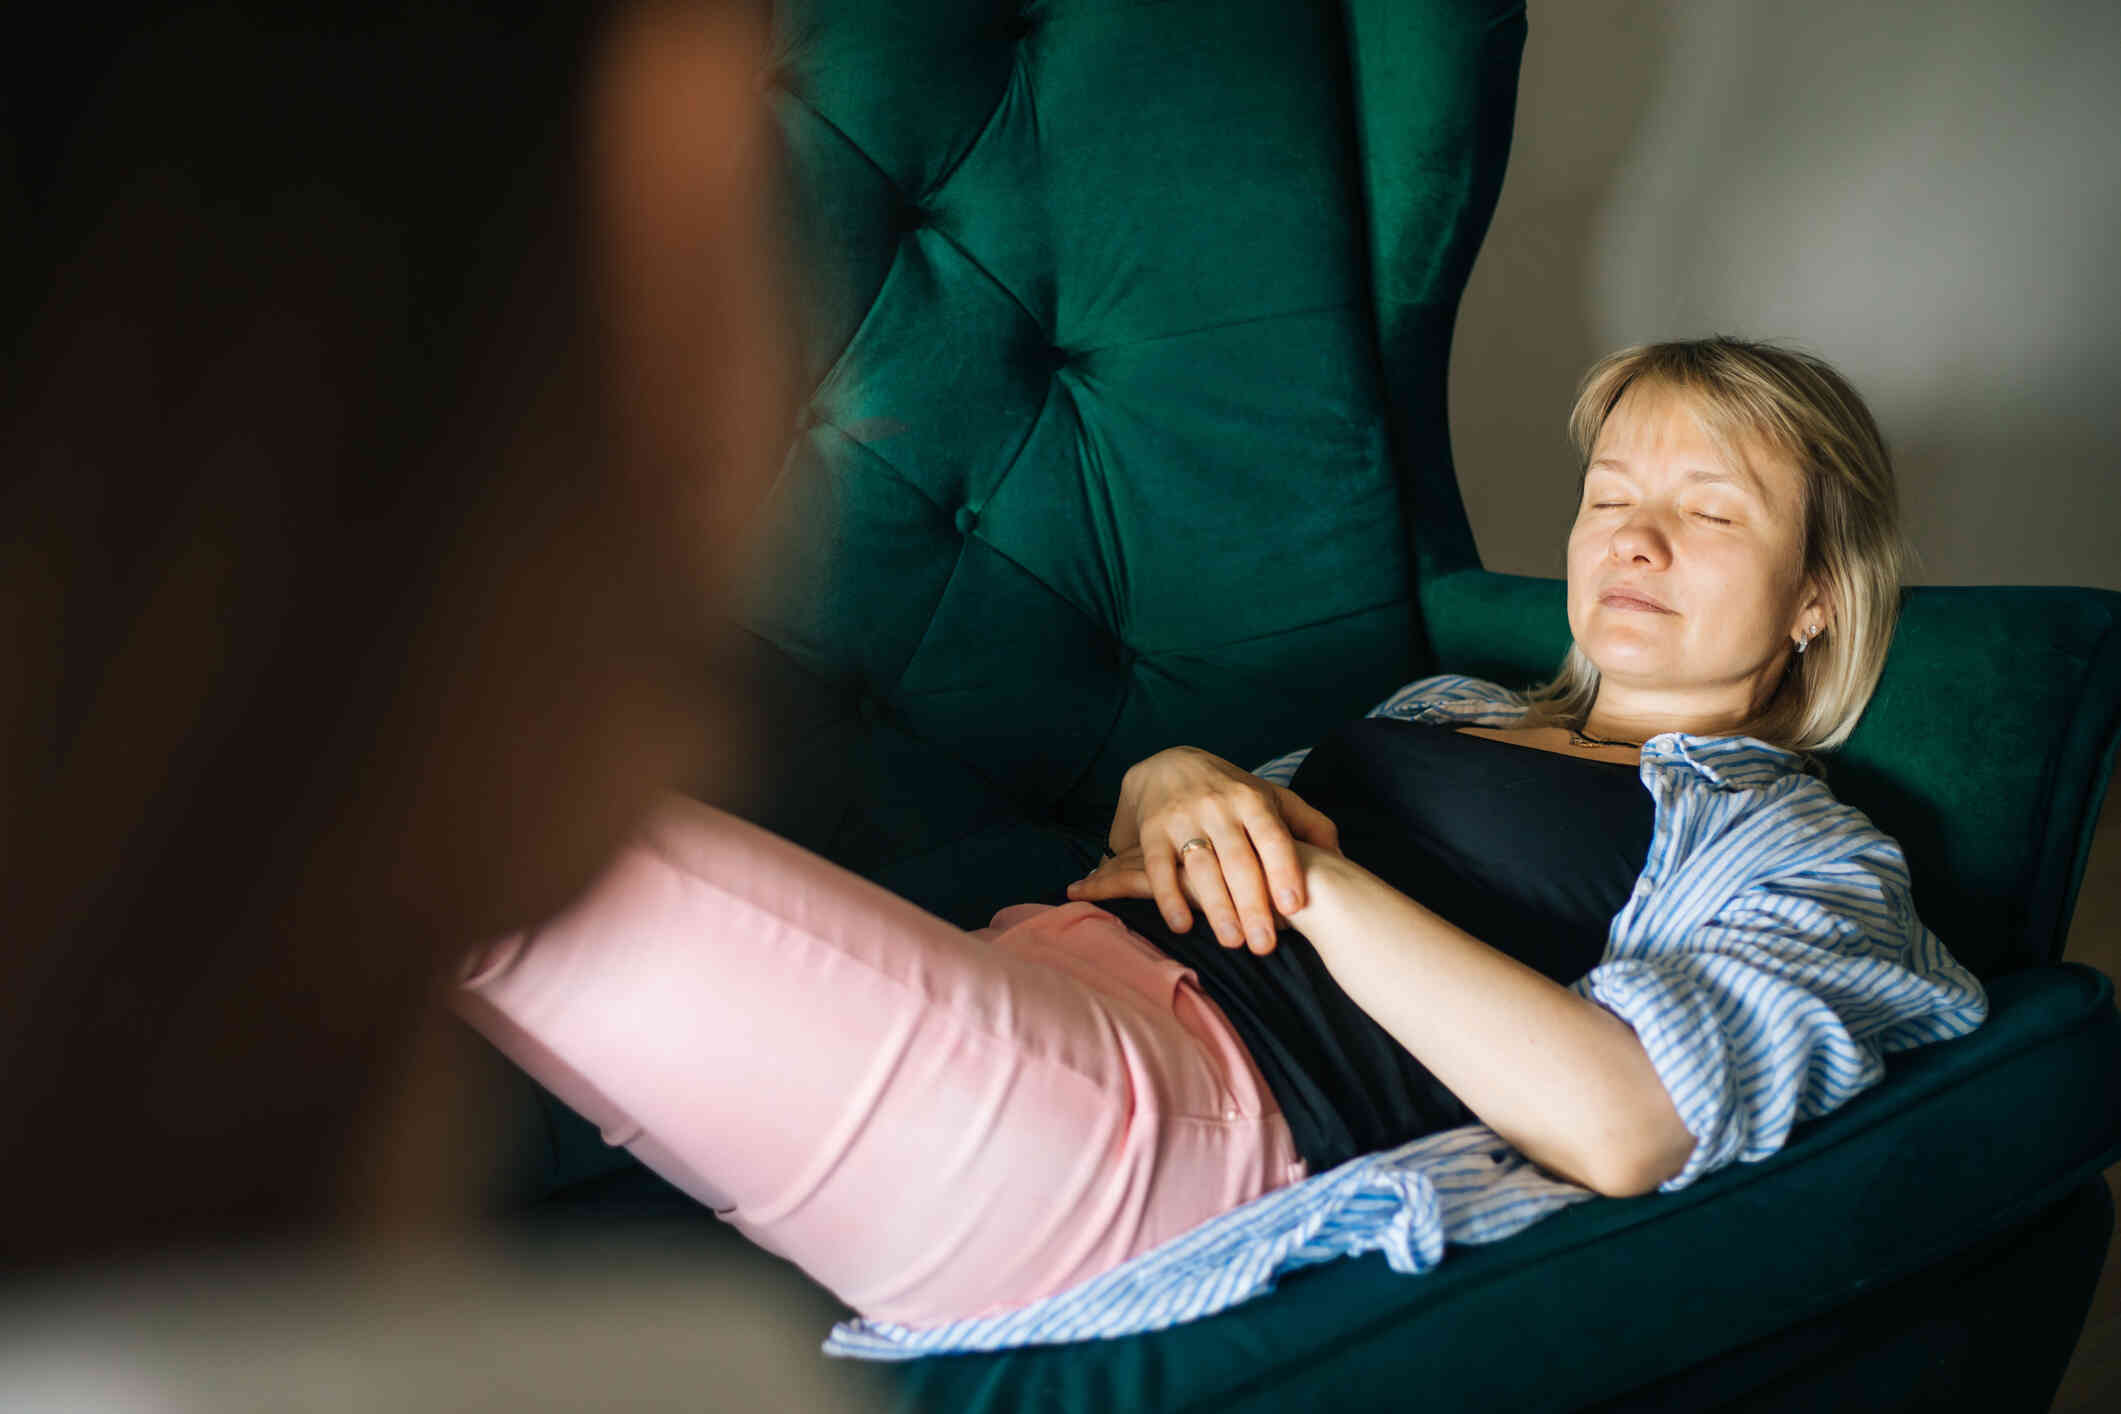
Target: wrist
[{"x": 1325, "y": 875}]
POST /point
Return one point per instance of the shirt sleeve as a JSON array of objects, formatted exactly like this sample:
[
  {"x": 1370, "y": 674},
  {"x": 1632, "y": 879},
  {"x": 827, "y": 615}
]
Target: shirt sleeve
[
  {"x": 1780, "y": 1006},
  {"x": 1282, "y": 769}
]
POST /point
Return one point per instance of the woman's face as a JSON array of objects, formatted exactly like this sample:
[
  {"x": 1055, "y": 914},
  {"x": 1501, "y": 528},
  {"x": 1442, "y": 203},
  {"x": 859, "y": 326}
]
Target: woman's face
[{"x": 1686, "y": 579}]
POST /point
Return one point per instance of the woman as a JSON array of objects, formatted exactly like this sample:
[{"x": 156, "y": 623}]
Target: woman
[{"x": 1621, "y": 922}]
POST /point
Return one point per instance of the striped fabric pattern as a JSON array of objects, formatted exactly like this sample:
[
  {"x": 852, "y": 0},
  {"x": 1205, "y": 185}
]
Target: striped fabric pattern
[{"x": 1769, "y": 957}]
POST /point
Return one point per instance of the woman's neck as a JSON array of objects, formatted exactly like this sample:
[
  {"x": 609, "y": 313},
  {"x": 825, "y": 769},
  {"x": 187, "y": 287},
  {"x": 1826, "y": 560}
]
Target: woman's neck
[{"x": 1623, "y": 718}]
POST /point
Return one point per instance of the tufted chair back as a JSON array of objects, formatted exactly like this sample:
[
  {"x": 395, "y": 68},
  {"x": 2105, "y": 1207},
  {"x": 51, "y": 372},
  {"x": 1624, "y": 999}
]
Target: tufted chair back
[{"x": 1126, "y": 337}]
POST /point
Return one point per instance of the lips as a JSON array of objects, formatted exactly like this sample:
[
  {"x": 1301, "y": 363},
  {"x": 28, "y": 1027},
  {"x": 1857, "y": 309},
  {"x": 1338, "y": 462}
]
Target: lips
[{"x": 1633, "y": 599}]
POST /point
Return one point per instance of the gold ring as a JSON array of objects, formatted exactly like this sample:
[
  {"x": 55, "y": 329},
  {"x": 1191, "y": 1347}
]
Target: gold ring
[{"x": 1197, "y": 842}]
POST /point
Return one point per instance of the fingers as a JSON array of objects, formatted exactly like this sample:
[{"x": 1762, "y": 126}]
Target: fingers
[
  {"x": 1130, "y": 875},
  {"x": 1284, "y": 872},
  {"x": 1112, "y": 880},
  {"x": 1205, "y": 877},
  {"x": 1174, "y": 876},
  {"x": 1232, "y": 887},
  {"x": 1161, "y": 862}
]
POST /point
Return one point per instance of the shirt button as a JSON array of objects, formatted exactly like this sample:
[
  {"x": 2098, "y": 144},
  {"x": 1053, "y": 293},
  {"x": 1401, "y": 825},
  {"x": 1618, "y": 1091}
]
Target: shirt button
[{"x": 1229, "y": 1112}]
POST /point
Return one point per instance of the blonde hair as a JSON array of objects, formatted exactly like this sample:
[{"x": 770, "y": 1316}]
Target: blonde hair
[{"x": 1797, "y": 406}]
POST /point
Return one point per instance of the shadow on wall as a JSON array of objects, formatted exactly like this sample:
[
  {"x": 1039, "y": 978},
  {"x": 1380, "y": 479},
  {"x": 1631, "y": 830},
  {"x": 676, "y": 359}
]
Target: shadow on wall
[
  {"x": 1525, "y": 330},
  {"x": 1931, "y": 206}
]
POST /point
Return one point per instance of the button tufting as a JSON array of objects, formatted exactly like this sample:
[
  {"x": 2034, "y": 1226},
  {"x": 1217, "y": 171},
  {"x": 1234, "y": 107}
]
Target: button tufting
[
  {"x": 1019, "y": 26},
  {"x": 912, "y": 216},
  {"x": 965, "y": 519},
  {"x": 1125, "y": 653}
]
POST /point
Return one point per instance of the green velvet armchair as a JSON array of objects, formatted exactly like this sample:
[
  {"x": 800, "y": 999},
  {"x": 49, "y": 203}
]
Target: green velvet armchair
[{"x": 1127, "y": 327}]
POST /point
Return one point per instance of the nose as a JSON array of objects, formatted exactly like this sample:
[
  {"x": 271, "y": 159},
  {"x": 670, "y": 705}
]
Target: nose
[{"x": 1640, "y": 540}]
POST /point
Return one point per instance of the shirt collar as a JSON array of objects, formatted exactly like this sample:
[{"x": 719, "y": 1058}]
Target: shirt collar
[{"x": 1726, "y": 762}]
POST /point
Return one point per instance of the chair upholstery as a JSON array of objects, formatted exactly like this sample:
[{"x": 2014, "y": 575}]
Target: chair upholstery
[
  {"x": 1128, "y": 325},
  {"x": 1101, "y": 456}
]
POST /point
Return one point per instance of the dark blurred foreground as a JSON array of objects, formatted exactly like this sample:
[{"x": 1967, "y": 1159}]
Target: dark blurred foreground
[{"x": 383, "y": 394}]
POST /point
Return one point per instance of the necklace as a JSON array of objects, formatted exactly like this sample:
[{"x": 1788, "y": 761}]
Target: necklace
[{"x": 1580, "y": 737}]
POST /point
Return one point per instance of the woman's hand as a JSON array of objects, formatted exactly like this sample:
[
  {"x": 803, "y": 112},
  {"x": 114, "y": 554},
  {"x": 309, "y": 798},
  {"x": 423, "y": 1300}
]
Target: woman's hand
[
  {"x": 1246, "y": 879},
  {"x": 1125, "y": 875}
]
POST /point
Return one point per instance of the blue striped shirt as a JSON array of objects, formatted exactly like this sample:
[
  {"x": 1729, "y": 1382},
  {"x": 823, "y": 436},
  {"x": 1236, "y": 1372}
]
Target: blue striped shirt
[{"x": 1768, "y": 959}]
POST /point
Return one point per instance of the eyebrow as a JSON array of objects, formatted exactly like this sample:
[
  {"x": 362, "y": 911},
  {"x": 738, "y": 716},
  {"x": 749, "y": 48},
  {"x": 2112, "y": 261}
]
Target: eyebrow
[{"x": 1743, "y": 478}]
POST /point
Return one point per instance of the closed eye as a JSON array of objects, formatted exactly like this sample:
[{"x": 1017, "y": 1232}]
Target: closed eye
[{"x": 1713, "y": 520}]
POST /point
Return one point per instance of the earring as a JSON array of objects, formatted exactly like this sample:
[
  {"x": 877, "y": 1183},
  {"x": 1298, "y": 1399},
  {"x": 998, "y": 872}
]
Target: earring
[{"x": 1806, "y": 641}]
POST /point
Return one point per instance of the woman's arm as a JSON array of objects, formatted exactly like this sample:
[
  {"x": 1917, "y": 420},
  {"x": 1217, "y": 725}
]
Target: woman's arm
[
  {"x": 1557, "y": 1075},
  {"x": 1778, "y": 1003}
]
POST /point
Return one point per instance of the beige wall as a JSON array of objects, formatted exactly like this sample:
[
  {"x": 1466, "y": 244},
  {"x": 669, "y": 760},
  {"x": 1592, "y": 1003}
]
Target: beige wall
[{"x": 1929, "y": 196}]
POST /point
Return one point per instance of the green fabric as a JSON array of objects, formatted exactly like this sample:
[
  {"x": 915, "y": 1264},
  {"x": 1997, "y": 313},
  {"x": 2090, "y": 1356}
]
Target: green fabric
[
  {"x": 1434, "y": 87},
  {"x": 1963, "y": 1139},
  {"x": 1099, "y": 459}
]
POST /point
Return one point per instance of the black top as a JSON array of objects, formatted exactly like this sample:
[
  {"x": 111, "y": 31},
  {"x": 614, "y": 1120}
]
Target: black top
[{"x": 1529, "y": 851}]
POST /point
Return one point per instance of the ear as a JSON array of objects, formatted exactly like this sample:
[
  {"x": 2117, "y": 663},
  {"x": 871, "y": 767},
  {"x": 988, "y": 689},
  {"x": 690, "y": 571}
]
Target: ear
[{"x": 1815, "y": 609}]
